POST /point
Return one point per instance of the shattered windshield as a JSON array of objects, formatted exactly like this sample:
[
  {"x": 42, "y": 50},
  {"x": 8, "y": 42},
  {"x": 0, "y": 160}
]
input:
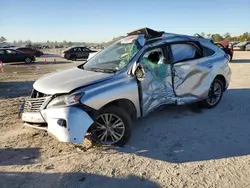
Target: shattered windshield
[{"x": 115, "y": 57}]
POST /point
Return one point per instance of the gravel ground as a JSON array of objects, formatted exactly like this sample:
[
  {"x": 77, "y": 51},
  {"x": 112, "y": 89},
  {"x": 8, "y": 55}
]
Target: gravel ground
[{"x": 172, "y": 147}]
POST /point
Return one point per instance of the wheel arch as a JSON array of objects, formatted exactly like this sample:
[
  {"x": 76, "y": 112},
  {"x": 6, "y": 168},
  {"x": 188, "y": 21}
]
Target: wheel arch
[
  {"x": 125, "y": 104},
  {"x": 223, "y": 79}
]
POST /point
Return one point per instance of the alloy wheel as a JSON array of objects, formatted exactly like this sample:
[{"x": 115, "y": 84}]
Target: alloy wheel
[
  {"x": 214, "y": 94},
  {"x": 27, "y": 60},
  {"x": 109, "y": 128}
]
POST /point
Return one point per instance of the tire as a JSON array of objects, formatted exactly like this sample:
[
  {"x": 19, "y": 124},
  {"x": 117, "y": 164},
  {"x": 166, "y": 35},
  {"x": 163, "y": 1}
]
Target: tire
[
  {"x": 73, "y": 57},
  {"x": 209, "y": 102},
  {"x": 28, "y": 60},
  {"x": 123, "y": 125}
]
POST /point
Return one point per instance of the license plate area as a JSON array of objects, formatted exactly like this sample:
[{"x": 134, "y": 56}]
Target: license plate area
[{"x": 33, "y": 117}]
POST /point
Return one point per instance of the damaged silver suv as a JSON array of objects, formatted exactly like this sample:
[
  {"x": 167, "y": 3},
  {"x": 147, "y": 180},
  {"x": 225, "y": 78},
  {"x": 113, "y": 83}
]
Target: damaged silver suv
[{"x": 125, "y": 81}]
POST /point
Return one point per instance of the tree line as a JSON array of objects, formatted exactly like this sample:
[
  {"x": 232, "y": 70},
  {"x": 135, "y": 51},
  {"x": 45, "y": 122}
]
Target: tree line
[
  {"x": 54, "y": 44},
  {"x": 227, "y": 36}
]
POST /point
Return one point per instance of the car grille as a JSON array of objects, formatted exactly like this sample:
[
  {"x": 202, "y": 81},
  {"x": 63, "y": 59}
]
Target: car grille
[
  {"x": 37, "y": 94},
  {"x": 35, "y": 102}
]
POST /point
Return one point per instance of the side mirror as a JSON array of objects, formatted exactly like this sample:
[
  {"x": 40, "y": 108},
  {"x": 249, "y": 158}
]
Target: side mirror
[{"x": 138, "y": 71}]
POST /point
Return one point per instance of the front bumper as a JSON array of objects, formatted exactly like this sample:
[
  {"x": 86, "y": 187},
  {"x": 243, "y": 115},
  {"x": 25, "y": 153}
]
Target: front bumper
[
  {"x": 67, "y": 124},
  {"x": 63, "y": 55}
]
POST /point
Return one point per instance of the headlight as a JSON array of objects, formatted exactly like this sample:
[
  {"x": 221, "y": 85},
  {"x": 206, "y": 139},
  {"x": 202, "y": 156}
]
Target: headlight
[{"x": 65, "y": 100}]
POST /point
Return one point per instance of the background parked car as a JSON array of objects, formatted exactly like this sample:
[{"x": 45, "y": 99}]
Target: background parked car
[
  {"x": 226, "y": 47},
  {"x": 242, "y": 45},
  {"x": 74, "y": 53},
  {"x": 234, "y": 43},
  {"x": 248, "y": 47},
  {"x": 8, "y": 55},
  {"x": 30, "y": 51}
]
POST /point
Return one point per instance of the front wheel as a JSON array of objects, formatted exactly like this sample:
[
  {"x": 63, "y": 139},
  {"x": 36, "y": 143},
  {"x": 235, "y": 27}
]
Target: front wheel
[
  {"x": 214, "y": 95},
  {"x": 27, "y": 60},
  {"x": 112, "y": 126},
  {"x": 73, "y": 57}
]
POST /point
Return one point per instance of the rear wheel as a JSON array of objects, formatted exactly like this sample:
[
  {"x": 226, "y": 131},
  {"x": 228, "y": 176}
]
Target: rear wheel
[
  {"x": 27, "y": 60},
  {"x": 112, "y": 126},
  {"x": 214, "y": 95}
]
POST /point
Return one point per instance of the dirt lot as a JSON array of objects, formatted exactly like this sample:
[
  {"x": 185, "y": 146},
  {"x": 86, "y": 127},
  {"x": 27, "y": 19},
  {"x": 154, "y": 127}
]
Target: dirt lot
[{"x": 172, "y": 147}]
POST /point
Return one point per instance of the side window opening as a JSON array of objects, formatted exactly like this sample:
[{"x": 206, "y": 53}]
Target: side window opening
[
  {"x": 85, "y": 49},
  {"x": 184, "y": 52},
  {"x": 207, "y": 51},
  {"x": 11, "y": 52},
  {"x": 154, "y": 56},
  {"x": 153, "y": 60},
  {"x": 76, "y": 50}
]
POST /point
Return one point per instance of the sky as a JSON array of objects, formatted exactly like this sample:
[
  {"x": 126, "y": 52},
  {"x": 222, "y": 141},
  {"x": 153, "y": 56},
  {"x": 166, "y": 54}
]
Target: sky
[{"x": 101, "y": 20}]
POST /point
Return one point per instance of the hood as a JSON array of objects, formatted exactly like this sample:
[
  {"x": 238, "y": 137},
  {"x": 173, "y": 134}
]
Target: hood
[{"x": 68, "y": 80}]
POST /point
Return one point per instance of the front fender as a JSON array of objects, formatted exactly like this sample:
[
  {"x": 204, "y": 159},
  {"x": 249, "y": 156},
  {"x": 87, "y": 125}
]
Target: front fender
[{"x": 119, "y": 87}]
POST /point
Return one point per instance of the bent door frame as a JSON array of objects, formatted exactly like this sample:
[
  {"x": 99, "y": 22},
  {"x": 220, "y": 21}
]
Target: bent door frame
[{"x": 166, "y": 61}]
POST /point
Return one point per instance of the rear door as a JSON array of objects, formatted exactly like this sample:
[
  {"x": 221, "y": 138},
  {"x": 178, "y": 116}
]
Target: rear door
[
  {"x": 13, "y": 56},
  {"x": 189, "y": 70},
  {"x": 85, "y": 53}
]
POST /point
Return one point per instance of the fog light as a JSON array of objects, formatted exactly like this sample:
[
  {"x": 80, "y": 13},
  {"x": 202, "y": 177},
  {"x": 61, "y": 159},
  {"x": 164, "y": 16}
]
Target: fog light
[{"x": 62, "y": 122}]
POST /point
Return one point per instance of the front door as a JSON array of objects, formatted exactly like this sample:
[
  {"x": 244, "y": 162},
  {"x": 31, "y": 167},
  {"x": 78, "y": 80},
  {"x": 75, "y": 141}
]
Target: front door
[
  {"x": 156, "y": 87},
  {"x": 85, "y": 53},
  {"x": 12, "y": 56},
  {"x": 2, "y": 56},
  {"x": 78, "y": 52}
]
